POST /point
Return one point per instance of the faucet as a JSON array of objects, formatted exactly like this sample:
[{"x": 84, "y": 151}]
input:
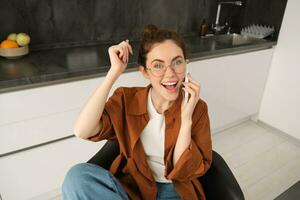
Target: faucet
[{"x": 217, "y": 27}]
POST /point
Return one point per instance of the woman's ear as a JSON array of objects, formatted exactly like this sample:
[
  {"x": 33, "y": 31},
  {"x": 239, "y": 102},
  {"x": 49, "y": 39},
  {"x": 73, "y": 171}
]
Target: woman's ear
[{"x": 144, "y": 72}]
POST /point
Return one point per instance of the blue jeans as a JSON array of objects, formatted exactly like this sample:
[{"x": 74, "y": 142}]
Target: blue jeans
[{"x": 87, "y": 181}]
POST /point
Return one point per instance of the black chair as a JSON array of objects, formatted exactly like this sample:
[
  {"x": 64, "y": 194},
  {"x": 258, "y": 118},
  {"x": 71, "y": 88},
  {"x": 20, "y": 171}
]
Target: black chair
[{"x": 218, "y": 182}]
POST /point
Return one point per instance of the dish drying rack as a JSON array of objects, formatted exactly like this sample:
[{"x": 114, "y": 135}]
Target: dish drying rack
[{"x": 257, "y": 31}]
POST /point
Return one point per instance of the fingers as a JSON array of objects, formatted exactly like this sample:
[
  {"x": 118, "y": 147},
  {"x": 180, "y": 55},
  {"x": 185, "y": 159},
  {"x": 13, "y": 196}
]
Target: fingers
[
  {"x": 121, "y": 50},
  {"x": 125, "y": 54},
  {"x": 125, "y": 49},
  {"x": 192, "y": 87},
  {"x": 192, "y": 80},
  {"x": 129, "y": 46},
  {"x": 191, "y": 91}
]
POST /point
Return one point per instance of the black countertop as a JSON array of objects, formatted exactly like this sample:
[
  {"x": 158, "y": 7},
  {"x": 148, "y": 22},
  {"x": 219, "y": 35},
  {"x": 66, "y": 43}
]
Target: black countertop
[{"x": 60, "y": 65}]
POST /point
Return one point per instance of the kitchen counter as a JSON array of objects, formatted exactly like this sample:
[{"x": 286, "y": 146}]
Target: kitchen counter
[{"x": 46, "y": 67}]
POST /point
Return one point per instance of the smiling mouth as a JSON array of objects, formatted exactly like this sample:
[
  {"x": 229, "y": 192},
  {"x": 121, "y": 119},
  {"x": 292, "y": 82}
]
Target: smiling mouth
[{"x": 170, "y": 85}]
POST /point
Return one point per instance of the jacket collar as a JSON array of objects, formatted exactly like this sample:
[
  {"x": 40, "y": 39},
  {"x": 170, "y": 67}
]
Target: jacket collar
[{"x": 138, "y": 103}]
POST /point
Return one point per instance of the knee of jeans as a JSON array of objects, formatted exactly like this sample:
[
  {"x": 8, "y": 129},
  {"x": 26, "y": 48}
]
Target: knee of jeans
[
  {"x": 82, "y": 173},
  {"x": 75, "y": 176}
]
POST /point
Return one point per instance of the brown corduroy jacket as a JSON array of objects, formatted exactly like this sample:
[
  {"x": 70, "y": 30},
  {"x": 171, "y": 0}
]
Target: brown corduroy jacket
[{"x": 125, "y": 116}]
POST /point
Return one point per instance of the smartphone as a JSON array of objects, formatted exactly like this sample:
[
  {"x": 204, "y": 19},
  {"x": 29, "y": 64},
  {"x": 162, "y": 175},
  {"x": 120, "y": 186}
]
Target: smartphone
[{"x": 186, "y": 94}]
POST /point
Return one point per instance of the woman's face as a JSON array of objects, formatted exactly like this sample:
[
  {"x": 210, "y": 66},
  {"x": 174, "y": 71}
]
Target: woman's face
[{"x": 165, "y": 53}]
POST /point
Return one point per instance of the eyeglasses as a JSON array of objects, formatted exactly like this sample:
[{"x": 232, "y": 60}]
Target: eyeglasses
[{"x": 158, "y": 68}]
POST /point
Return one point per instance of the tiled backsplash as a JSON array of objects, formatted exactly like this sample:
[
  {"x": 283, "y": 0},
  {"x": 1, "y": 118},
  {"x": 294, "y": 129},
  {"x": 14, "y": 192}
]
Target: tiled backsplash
[{"x": 86, "y": 21}]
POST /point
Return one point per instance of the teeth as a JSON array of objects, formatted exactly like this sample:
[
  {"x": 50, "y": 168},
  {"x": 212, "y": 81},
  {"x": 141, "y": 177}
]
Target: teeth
[{"x": 171, "y": 83}]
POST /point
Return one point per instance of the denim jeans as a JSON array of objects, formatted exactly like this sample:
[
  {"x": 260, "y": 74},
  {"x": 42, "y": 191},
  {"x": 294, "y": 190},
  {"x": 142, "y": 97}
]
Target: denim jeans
[{"x": 87, "y": 181}]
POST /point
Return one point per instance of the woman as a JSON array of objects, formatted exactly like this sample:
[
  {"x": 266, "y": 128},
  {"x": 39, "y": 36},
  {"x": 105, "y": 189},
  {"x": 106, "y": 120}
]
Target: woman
[{"x": 165, "y": 142}]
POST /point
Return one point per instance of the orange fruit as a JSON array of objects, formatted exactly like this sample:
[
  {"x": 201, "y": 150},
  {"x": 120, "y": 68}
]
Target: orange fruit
[{"x": 9, "y": 44}]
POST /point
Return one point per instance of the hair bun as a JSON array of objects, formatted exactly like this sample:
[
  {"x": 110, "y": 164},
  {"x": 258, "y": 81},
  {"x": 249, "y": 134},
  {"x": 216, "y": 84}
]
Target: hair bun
[{"x": 149, "y": 30}]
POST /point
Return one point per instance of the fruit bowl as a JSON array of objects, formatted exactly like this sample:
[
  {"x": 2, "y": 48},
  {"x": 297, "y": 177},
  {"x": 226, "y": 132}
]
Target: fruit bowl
[{"x": 12, "y": 53}]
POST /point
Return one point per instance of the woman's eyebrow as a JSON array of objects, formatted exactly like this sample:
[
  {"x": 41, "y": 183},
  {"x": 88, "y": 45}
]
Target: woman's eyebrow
[{"x": 179, "y": 56}]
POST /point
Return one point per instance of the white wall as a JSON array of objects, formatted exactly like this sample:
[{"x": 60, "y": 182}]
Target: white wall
[{"x": 280, "y": 107}]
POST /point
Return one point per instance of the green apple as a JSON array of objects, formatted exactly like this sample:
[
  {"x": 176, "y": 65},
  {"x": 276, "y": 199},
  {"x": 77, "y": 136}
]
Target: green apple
[
  {"x": 12, "y": 36},
  {"x": 23, "y": 39}
]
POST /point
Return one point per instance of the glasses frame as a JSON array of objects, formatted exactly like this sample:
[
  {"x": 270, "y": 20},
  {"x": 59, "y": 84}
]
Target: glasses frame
[{"x": 186, "y": 61}]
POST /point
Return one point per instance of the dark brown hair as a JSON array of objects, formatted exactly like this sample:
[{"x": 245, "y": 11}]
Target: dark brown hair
[{"x": 152, "y": 35}]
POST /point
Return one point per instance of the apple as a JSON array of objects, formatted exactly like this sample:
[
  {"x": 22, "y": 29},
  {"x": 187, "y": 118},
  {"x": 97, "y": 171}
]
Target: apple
[
  {"x": 23, "y": 39},
  {"x": 12, "y": 36}
]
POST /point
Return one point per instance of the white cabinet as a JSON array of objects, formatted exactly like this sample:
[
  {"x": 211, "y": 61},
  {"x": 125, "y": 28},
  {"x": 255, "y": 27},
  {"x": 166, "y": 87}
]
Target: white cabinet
[
  {"x": 232, "y": 85},
  {"x": 42, "y": 114},
  {"x": 40, "y": 171},
  {"x": 39, "y": 115}
]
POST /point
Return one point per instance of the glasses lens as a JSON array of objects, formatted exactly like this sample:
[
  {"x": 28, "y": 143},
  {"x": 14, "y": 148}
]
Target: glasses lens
[
  {"x": 158, "y": 69},
  {"x": 178, "y": 65}
]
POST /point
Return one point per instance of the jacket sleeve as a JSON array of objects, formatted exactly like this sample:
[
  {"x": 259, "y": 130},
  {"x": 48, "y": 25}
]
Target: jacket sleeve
[
  {"x": 197, "y": 158},
  {"x": 113, "y": 106}
]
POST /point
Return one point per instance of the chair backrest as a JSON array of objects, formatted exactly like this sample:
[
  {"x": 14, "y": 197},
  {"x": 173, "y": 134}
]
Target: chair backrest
[
  {"x": 218, "y": 182},
  {"x": 106, "y": 155}
]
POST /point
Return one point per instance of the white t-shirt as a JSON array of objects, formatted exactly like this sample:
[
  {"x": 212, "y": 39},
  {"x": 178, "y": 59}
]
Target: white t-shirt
[{"x": 153, "y": 139}]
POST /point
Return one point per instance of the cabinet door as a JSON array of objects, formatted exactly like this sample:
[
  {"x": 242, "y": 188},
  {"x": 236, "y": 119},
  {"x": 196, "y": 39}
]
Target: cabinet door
[
  {"x": 41, "y": 171},
  {"x": 232, "y": 85},
  {"x": 39, "y": 115}
]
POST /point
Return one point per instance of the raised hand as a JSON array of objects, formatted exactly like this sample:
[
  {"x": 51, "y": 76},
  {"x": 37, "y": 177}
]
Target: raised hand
[{"x": 119, "y": 56}]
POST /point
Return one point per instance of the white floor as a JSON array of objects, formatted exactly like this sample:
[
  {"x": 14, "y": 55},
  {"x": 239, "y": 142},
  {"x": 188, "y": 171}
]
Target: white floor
[{"x": 264, "y": 162}]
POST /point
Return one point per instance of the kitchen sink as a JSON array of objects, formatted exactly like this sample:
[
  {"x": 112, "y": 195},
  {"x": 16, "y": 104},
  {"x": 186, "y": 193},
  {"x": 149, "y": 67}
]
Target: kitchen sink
[
  {"x": 234, "y": 39},
  {"x": 221, "y": 42}
]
